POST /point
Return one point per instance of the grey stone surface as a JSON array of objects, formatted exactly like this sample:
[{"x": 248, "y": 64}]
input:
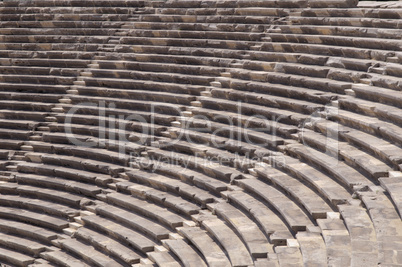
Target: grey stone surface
[{"x": 290, "y": 61}]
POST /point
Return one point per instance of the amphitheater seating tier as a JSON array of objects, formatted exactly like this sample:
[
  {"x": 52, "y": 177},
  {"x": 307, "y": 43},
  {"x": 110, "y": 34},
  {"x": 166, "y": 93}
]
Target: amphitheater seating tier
[{"x": 200, "y": 133}]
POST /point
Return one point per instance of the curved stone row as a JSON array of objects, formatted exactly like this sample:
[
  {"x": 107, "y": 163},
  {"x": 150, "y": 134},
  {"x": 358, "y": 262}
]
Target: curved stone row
[{"x": 200, "y": 133}]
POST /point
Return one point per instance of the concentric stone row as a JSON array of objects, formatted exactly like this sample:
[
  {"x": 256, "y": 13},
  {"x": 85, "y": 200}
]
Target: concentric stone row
[{"x": 200, "y": 133}]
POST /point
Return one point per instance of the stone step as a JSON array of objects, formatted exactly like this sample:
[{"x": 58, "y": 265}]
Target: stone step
[
  {"x": 15, "y": 258},
  {"x": 87, "y": 253},
  {"x": 249, "y": 231},
  {"x": 234, "y": 247},
  {"x": 108, "y": 245},
  {"x": 185, "y": 253},
  {"x": 59, "y": 257},
  {"x": 295, "y": 217},
  {"x": 124, "y": 235},
  {"x": 212, "y": 253}
]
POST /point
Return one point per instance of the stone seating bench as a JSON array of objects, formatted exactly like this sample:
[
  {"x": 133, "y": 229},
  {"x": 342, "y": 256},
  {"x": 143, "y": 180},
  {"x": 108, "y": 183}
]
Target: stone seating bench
[
  {"x": 187, "y": 55},
  {"x": 62, "y": 24},
  {"x": 124, "y": 235},
  {"x": 374, "y": 109},
  {"x": 127, "y": 139},
  {"x": 327, "y": 163},
  {"x": 218, "y": 43},
  {"x": 38, "y": 205},
  {"x": 289, "y": 255},
  {"x": 305, "y": 94},
  {"x": 253, "y": 237},
  {"x": 378, "y": 94},
  {"x": 272, "y": 225},
  {"x": 102, "y": 156},
  {"x": 71, "y": 3},
  {"x": 295, "y": 217},
  {"x": 212, "y": 253},
  {"x": 66, "y": 17},
  {"x": 329, "y": 189},
  {"x": 360, "y": 42},
  {"x": 362, "y": 232},
  {"x": 21, "y": 70},
  {"x": 15, "y": 134},
  {"x": 11, "y": 144},
  {"x": 166, "y": 75},
  {"x": 341, "y": 31},
  {"x": 243, "y": 141},
  {"x": 38, "y": 219},
  {"x": 324, "y": 84},
  {"x": 38, "y": 117},
  {"x": 46, "y": 79},
  {"x": 158, "y": 67},
  {"x": 227, "y": 27},
  {"x": 32, "y": 97},
  {"x": 217, "y": 57},
  {"x": 97, "y": 145},
  {"x": 313, "y": 248},
  {"x": 65, "y": 198},
  {"x": 328, "y": 49},
  {"x": 99, "y": 39},
  {"x": 154, "y": 106},
  {"x": 391, "y": 13},
  {"x": 163, "y": 183},
  {"x": 381, "y": 148},
  {"x": 309, "y": 199},
  {"x": 15, "y": 258},
  {"x": 86, "y": 252},
  {"x": 59, "y": 31},
  {"x": 251, "y": 11},
  {"x": 190, "y": 177},
  {"x": 205, "y": 152},
  {"x": 112, "y": 112},
  {"x": 345, "y": 21},
  {"x": 33, "y": 88},
  {"x": 213, "y": 170},
  {"x": 207, "y": 19},
  {"x": 354, "y": 157},
  {"x": 233, "y": 4},
  {"x": 66, "y": 10},
  {"x": 27, "y": 230},
  {"x": 187, "y": 255},
  {"x": 266, "y": 100},
  {"x": 59, "y": 257},
  {"x": 171, "y": 33},
  {"x": 367, "y": 124},
  {"x": 378, "y": 203},
  {"x": 4, "y": 154},
  {"x": 163, "y": 257},
  {"x": 21, "y": 245},
  {"x": 231, "y": 243},
  {"x": 219, "y": 118},
  {"x": 81, "y": 164},
  {"x": 337, "y": 238},
  {"x": 149, "y": 85},
  {"x": 58, "y": 63},
  {"x": 49, "y": 181},
  {"x": 392, "y": 185},
  {"x": 284, "y": 116},
  {"x": 149, "y": 210},
  {"x": 108, "y": 246},
  {"x": 134, "y": 221},
  {"x": 66, "y": 173},
  {"x": 120, "y": 78},
  {"x": 47, "y": 50},
  {"x": 160, "y": 197},
  {"x": 378, "y": 147}
]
